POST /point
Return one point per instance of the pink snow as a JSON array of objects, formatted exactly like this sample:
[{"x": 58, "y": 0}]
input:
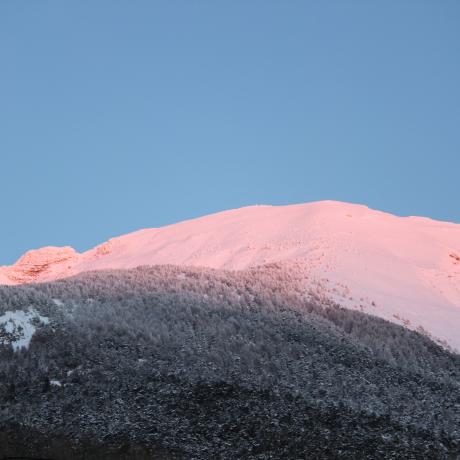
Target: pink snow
[{"x": 404, "y": 269}]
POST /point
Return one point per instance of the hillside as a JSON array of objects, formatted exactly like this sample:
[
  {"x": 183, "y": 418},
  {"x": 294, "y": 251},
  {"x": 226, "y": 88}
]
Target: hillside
[
  {"x": 181, "y": 362},
  {"x": 406, "y": 270}
]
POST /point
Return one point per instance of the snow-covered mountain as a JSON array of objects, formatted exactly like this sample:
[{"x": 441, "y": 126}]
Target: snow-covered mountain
[{"x": 404, "y": 269}]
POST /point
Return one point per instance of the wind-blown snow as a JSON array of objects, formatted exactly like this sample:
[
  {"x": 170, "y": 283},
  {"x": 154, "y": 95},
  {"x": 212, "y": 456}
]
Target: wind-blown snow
[{"x": 406, "y": 270}]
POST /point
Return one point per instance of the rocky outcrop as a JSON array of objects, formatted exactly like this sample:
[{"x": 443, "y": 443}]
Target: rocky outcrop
[{"x": 37, "y": 263}]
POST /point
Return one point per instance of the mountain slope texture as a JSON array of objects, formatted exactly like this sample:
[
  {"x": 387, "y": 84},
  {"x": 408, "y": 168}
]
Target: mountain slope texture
[
  {"x": 405, "y": 270},
  {"x": 174, "y": 362}
]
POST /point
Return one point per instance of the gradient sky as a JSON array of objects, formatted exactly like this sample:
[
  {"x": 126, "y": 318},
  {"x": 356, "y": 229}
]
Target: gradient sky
[{"x": 117, "y": 115}]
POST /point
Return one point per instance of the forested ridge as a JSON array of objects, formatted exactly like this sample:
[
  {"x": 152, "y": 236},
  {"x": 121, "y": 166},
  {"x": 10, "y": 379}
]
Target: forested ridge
[{"x": 176, "y": 362}]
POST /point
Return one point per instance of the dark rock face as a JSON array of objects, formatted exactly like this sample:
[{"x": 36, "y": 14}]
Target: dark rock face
[
  {"x": 169, "y": 363},
  {"x": 455, "y": 257}
]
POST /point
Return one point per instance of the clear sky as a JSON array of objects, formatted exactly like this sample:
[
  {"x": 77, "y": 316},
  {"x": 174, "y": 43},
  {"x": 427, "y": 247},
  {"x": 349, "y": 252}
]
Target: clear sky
[{"x": 117, "y": 115}]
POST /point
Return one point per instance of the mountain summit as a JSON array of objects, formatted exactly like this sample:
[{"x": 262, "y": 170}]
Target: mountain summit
[{"x": 404, "y": 269}]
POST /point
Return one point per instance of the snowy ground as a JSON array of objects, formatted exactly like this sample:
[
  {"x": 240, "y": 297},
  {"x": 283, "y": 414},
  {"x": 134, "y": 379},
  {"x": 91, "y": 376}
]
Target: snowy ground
[
  {"x": 404, "y": 269},
  {"x": 18, "y": 327}
]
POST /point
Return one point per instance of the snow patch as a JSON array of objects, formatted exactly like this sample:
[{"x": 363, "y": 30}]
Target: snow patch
[{"x": 18, "y": 327}]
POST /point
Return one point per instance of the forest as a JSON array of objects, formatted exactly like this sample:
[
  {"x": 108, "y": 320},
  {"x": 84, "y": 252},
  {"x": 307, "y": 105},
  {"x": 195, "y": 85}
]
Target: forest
[{"x": 178, "y": 362}]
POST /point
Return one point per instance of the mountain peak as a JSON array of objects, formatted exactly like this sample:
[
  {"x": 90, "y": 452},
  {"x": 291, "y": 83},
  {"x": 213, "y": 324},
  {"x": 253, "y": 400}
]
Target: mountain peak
[
  {"x": 47, "y": 254},
  {"x": 398, "y": 268},
  {"x": 38, "y": 263}
]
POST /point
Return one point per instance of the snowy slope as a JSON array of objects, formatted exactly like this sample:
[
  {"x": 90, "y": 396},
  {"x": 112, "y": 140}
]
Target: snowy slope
[
  {"x": 18, "y": 327},
  {"x": 406, "y": 270}
]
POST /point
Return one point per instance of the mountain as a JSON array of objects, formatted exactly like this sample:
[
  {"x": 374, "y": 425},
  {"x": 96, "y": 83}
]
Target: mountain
[
  {"x": 403, "y": 269},
  {"x": 173, "y": 362}
]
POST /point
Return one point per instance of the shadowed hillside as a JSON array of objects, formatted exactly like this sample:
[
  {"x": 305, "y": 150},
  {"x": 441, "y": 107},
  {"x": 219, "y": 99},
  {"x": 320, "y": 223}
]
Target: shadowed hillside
[{"x": 200, "y": 363}]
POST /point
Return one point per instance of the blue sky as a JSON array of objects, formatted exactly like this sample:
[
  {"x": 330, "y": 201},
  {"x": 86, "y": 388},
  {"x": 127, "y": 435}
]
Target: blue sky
[{"x": 117, "y": 115}]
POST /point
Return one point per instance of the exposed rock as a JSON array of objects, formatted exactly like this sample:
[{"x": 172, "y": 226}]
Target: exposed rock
[{"x": 37, "y": 263}]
